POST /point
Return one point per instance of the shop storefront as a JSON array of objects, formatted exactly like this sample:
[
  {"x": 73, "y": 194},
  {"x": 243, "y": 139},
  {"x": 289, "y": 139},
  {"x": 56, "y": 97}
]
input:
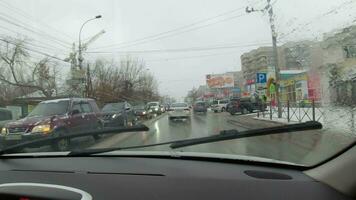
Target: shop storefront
[
  {"x": 250, "y": 86},
  {"x": 294, "y": 87}
]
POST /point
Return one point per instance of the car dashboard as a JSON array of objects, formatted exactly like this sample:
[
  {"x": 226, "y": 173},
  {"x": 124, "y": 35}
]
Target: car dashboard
[{"x": 146, "y": 178}]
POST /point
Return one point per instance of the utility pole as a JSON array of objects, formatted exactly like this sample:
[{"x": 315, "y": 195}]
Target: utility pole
[{"x": 269, "y": 9}]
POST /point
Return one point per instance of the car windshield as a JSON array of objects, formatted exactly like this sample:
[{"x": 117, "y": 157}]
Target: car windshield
[
  {"x": 175, "y": 105},
  {"x": 152, "y": 104},
  {"x": 113, "y": 107},
  {"x": 141, "y": 107},
  {"x": 237, "y": 65},
  {"x": 50, "y": 108}
]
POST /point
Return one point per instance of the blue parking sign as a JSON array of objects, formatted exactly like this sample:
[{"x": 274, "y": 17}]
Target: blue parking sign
[{"x": 261, "y": 78}]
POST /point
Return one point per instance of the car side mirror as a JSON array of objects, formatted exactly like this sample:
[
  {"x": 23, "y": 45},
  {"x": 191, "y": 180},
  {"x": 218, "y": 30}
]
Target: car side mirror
[{"x": 74, "y": 112}]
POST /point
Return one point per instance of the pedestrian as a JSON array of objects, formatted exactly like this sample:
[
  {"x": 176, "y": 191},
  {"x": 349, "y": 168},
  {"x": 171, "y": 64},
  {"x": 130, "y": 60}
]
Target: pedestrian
[{"x": 272, "y": 91}]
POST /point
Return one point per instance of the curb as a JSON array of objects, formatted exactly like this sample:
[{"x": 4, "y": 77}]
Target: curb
[{"x": 272, "y": 121}]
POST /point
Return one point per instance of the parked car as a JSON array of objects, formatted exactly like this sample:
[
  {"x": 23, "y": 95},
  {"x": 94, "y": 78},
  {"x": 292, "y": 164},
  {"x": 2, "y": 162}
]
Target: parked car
[
  {"x": 5, "y": 117},
  {"x": 54, "y": 118},
  {"x": 179, "y": 111},
  {"x": 245, "y": 105},
  {"x": 118, "y": 114},
  {"x": 142, "y": 112},
  {"x": 155, "y": 107},
  {"x": 200, "y": 106},
  {"x": 219, "y": 105}
]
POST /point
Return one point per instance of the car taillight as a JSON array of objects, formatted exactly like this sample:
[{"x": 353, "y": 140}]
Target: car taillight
[{"x": 187, "y": 109}]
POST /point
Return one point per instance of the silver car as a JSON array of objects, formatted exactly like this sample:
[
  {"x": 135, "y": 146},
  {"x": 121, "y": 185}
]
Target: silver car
[{"x": 179, "y": 111}]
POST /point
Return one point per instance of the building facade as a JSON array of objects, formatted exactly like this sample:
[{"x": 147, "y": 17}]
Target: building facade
[{"x": 338, "y": 70}]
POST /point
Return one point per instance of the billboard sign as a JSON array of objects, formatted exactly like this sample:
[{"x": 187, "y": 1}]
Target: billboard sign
[
  {"x": 220, "y": 80},
  {"x": 250, "y": 81}
]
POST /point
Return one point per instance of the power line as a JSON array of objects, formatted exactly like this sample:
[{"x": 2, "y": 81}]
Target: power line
[
  {"x": 190, "y": 57},
  {"x": 164, "y": 34},
  {"x": 178, "y": 50},
  {"x": 32, "y": 50},
  {"x": 30, "y": 17},
  {"x": 185, "y": 31},
  {"x": 316, "y": 18},
  {"x": 30, "y": 29},
  {"x": 44, "y": 47}
]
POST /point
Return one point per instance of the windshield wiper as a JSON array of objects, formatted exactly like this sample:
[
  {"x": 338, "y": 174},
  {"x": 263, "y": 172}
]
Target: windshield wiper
[
  {"x": 44, "y": 141},
  {"x": 224, "y": 135},
  {"x": 234, "y": 134}
]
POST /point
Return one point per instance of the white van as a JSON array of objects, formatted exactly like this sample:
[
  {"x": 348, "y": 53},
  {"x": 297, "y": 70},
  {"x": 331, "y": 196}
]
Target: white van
[{"x": 219, "y": 105}]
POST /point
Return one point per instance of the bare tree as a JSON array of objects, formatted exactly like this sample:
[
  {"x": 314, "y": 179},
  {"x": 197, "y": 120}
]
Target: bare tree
[
  {"x": 20, "y": 72},
  {"x": 126, "y": 80},
  {"x": 192, "y": 95}
]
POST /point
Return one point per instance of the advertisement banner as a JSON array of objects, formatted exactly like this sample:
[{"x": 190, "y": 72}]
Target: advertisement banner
[{"x": 220, "y": 80}]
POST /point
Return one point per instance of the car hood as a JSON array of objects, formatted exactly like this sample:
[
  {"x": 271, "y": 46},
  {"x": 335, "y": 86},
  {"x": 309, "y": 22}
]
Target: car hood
[{"x": 29, "y": 121}]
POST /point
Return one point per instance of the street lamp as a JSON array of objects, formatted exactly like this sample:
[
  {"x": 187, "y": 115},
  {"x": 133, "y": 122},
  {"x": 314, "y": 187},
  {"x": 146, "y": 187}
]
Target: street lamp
[{"x": 80, "y": 57}]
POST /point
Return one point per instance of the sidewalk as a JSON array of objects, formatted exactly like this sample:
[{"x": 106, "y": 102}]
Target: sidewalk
[
  {"x": 304, "y": 146},
  {"x": 338, "y": 119}
]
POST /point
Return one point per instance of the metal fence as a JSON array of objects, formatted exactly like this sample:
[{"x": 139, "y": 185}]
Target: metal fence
[{"x": 294, "y": 111}]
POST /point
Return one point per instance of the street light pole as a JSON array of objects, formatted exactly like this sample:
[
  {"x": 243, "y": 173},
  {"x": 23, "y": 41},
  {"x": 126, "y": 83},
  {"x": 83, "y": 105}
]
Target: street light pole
[
  {"x": 269, "y": 9},
  {"x": 80, "y": 50},
  {"x": 80, "y": 56}
]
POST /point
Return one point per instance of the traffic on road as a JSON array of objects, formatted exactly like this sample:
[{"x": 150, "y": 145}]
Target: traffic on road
[
  {"x": 185, "y": 99},
  {"x": 77, "y": 123}
]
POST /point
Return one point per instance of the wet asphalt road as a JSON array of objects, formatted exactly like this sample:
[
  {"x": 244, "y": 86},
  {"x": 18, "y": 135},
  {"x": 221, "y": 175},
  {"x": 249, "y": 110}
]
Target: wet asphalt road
[{"x": 308, "y": 147}]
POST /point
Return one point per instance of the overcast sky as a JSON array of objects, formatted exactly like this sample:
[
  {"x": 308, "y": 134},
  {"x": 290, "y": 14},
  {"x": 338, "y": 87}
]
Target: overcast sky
[{"x": 206, "y": 24}]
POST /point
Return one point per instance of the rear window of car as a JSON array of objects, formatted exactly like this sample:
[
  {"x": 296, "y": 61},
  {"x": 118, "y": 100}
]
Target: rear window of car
[
  {"x": 113, "y": 107},
  {"x": 153, "y": 104},
  {"x": 141, "y": 107},
  {"x": 200, "y": 103},
  {"x": 179, "y": 105}
]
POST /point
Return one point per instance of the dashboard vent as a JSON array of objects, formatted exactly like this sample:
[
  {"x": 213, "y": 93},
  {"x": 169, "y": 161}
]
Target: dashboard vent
[{"x": 267, "y": 175}]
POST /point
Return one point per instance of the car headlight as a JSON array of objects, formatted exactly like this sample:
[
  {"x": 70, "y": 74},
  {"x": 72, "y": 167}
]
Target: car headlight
[
  {"x": 46, "y": 128},
  {"x": 156, "y": 109},
  {"x": 144, "y": 112},
  {"x": 4, "y": 131},
  {"x": 114, "y": 116}
]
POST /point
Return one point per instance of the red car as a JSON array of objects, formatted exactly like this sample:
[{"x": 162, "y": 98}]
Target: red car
[{"x": 54, "y": 118}]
